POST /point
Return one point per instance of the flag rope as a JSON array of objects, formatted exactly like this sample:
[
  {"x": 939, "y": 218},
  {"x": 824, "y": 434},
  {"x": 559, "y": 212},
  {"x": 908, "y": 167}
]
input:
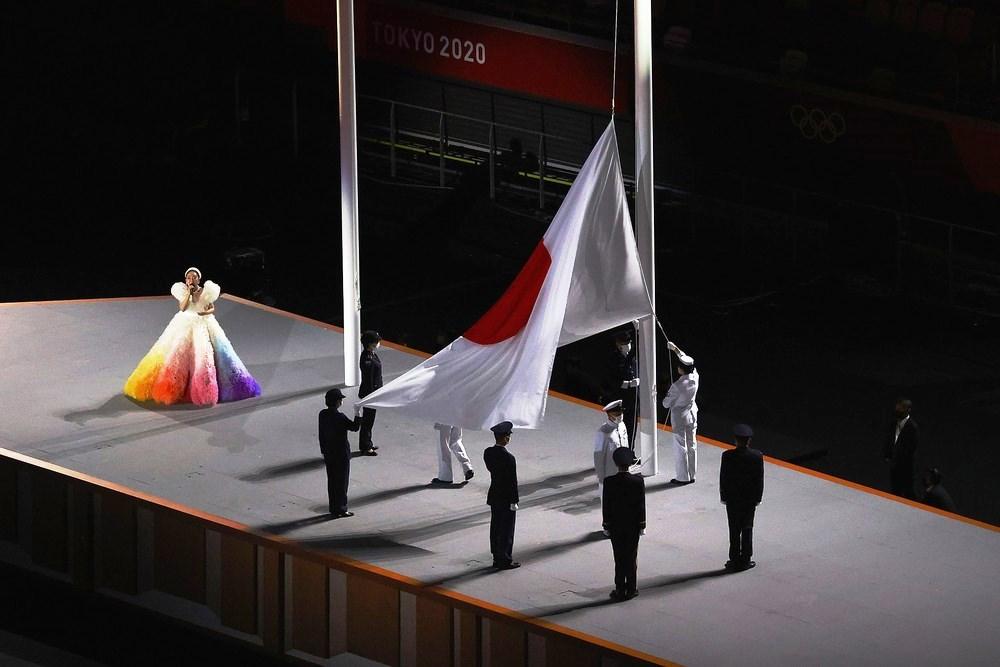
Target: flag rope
[{"x": 614, "y": 62}]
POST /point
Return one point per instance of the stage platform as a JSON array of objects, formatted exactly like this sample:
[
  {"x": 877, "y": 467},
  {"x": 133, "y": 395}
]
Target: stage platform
[{"x": 845, "y": 575}]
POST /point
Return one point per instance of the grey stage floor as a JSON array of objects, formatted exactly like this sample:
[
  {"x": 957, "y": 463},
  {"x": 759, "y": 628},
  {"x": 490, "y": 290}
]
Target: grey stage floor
[{"x": 844, "y": 576}]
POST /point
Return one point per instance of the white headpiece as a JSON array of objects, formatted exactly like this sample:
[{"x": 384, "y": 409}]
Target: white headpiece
[{"x": 195, "y": 269}]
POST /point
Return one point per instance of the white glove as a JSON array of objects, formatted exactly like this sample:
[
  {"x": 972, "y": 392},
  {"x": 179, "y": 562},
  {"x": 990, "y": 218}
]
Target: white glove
[
  {"x": 358, "y": 410},
  {"x": 513, "y": 507},
  {"x": 642, "y": 532},
  {"x": 671, "y": 346},
  {"x": 634, "y": 383}
]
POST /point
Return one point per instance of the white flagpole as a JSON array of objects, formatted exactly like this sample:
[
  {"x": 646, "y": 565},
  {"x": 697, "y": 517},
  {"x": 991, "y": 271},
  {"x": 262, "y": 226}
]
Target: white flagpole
[
  {"x": 646, "y": 343},
  {"x": 349, "y": 193}
]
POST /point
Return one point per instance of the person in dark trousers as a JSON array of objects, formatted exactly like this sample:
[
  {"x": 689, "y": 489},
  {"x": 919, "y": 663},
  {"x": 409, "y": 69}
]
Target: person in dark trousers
[
  {"x": 333, "y": 428},
  {"x": 900, "y": 448},
  {"x": 741, "y": 487},
  {"x": 502, "y": 497},
  {"x": 624, "y": 503},
  {"x": 621, "y": 380},
  {"x": 371, "y": 379},
  {"x": 935, "y": 494}
]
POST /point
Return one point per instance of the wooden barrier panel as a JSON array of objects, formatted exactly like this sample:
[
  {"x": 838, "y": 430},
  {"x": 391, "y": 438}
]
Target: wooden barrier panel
[
  {"x": 238, "y": 586},
  {"x": 270, "y": 598},
  {"x": 8, "y": 501},
  {"x": 470, "y": 638},
  {"x": 507, "y": 644},
  {"x": 179, "y": 556},
  {"x": 435, "y": 637},
  {"x": 373, "y": 619},
  {"x": 310, "y": 598},
  {"x": 49, "y": 525},
  {"x": 81, "y": 535},
  {"x": 116, "y": 543},
  {"x": 559, "y": 652}
]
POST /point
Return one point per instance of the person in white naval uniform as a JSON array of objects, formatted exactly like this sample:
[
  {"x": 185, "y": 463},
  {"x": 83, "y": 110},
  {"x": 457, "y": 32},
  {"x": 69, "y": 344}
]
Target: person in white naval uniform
[
  {"x": 451, "y": 443},
  {"x": 611, "y": 435},
  {"x": 680, "y": 400}
]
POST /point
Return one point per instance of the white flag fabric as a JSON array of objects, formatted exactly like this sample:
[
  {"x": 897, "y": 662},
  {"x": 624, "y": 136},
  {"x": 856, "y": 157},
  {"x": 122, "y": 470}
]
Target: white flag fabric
[{"x": 583, "y": 277}]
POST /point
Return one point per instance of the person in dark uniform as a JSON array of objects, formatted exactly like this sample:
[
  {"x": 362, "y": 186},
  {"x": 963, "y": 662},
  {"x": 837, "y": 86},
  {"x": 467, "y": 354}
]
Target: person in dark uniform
[
  {"x": 899, "y": 449},
  {"x": 502, "y": 497},
  {"x": 935, "y": 494},
  {"x": 371, "y": 379},
  {"x": 624, "y": 503},
  {"x": 333, "y": 428},
  {"x": 741, "y": 487},
  {"x": 621, "y": 381}
]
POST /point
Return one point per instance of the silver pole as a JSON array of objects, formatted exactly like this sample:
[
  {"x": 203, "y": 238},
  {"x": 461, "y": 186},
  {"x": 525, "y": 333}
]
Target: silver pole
[
  {"x": 541, "y": 171},
  {"x": 351, "y": 283},
  {"x": 493, "y": 162},
  {"x": 441, "y": 149},
  {"x": 646, "y": 343}
]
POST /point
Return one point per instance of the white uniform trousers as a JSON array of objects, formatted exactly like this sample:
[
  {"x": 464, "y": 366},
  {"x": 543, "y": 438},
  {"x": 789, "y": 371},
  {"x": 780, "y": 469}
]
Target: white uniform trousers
[
  {"x": 451, "y": 443},
  {"x": 685, "y": 452}
]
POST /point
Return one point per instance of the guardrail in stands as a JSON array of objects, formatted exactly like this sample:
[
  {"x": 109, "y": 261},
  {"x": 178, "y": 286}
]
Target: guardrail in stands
[{"x": 265, "y": 590}]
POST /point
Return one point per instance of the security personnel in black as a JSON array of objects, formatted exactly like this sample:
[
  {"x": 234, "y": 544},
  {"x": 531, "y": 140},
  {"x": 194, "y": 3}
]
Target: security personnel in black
[
  {"x": 371, "y": 379},
  {"x": 502, "y": 497},
  {"x": 741, "y": 486},
  {"x": 621, "y": 380},
  {"x": 624, "y": 504},
  {"x": 333, "y": 428}
]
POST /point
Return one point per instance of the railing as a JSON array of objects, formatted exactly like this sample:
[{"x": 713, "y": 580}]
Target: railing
[
  {"x": 262, "y": 589},
  {"x": 960, "y": 250}
]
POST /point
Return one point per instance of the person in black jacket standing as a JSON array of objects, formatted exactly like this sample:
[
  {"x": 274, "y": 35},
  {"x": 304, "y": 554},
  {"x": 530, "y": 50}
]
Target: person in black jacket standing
[
  {"x": 899, "y": 449},
  {"x": 621, "y": 380},
  {"x": 741, "y": 487},
  {"x": 502, "y": 497},
  {"x": 624, "y": 503},
  {"x": 333, "y": 428},
  {"x": 371, "y": 379}
]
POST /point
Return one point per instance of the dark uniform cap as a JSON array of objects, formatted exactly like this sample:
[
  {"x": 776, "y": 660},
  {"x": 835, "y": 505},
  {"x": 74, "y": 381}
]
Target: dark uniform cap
[
  {"x": 503, "y": 428},
  {"x": 742, "y": 431},
  {"x": 623, "y": 456},
  {"x": 334, "y": 395},
  {"x": 369, "y": 337}
]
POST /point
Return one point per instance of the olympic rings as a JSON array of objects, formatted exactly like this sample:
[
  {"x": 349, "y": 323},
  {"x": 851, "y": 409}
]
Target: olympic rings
[{"x": 816, "y": 123}]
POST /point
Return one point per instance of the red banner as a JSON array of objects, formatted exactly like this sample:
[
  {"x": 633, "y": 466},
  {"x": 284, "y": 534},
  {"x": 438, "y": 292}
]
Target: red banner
[{"x": 476, "y": 52}]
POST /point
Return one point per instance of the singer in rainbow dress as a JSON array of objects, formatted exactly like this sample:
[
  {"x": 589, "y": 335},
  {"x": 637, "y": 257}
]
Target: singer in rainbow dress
[{"x": 193, "y": 360}]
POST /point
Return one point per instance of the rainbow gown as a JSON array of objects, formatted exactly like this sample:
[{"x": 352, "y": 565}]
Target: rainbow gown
[{"x": 193, "y": 360}]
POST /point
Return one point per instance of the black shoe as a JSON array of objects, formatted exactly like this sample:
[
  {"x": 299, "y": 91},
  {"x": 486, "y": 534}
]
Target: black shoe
[
  {"x": 438, "y": 480},
  {"x": 631, "y": 594},
  {"x": 369, "y": 452},
  {"x": 617, "y": 595},
  {"x": 747, "y": 564},
  {"x": 677, "y": 482},
  {"x": 469, "y": 474},
  {"x": 731, "y": 564},
  {"x": 342, "y": 515},
  {"x": 374, "y": 446},
  {"x": 510, "y": 565}
]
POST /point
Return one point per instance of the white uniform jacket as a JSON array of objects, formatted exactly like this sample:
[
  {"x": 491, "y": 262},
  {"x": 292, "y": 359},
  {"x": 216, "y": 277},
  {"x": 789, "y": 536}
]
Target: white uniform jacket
[
  {"x": 680, "y": 400},
  {"x": 609, "y": 438}
]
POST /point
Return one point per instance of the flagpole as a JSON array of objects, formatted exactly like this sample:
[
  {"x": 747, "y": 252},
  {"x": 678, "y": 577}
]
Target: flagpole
[
  {"x": 646, "y": 343},
  {"x": 349, "y": 193}
]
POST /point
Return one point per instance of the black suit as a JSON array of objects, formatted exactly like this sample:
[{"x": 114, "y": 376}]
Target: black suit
[
  {"x": 371, "y": 379},
  {"x": 624, "y": 503},
  {"x": 899, "y": 452},
  {"x": 741, "y": 486},
  {"x": 502, "y": 494},
  {"x": 333, "y": 428}
]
